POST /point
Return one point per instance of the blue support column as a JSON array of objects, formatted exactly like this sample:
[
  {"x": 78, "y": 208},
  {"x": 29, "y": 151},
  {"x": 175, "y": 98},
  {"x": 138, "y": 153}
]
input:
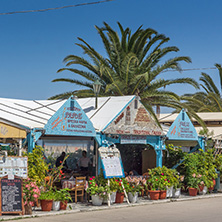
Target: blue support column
[
  {"x": 201, "y": 142},
  {"x": 31, "y": 142},
  {"x": 159, "y": 157},
  {"x": 32, "y": 137},
  {"x": 99, "y": 138},
  {"x": 159, "y": 152}
]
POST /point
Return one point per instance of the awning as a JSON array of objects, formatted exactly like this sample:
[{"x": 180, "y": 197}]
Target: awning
[{"x": 7, "y": 131}]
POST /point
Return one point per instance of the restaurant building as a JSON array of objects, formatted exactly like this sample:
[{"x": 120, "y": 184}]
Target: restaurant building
[{"x": 74, "y": 125}]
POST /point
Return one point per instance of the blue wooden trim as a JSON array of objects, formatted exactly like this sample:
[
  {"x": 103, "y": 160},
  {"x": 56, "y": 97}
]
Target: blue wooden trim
[
  {"x": 118, "y": 113},
  {"x": 201, "y": 142},
  {"x": 182, "y": 128},
  {"x": 159, "y": 157},
  {"x": 98, "y": 139},
  {"x": 70, "y": 120},
  {"x": 31, "y": 142},
  {"x": 182, "y": 140}
]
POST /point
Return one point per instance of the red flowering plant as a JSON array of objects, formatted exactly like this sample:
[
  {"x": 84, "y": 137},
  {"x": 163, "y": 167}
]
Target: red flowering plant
[
  {"x": 159, "y": 178},
  {"x": 31, "y": 192},
  {"x": 97, "y": 188},
  {"x": 125, "y": 183},
  {"x": 53, "y": 175}
]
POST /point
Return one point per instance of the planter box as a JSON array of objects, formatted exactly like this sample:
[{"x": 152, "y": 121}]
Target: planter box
[
  {"x": 97, "y": 200},
  {"x": 46, "y": 205},
  {"x": 133, "y": 197},
  {"x": 56, "y": 205},
  {"x": 154, "y": 194},
  {"x": 119, "y": 197},
  {"x": 112, "y": 198},
  {"x": 176, "y": 193}
]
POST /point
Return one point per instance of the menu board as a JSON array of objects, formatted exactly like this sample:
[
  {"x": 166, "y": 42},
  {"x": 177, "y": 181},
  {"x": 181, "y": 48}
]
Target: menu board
[
  {"x": 111, "y": 162},
  {"x": 11, "y": 196},
  {"x": 14, "y": 165}
]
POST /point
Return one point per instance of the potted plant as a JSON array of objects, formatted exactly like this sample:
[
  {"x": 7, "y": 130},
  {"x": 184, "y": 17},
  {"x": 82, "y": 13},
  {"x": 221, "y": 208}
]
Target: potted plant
[
  {"x": 120, "y": 191},
  {"x": 158, "y": 181},
  {"x": 134, "y": 188},
  {"x": 207, "y": 166},
  {"x": 193, "y": 182},
  {"x": 173, "y": 181},
  {"x": 31, "y": 193},
  {"x": 144, "y": 187},
  {"x": 97, "y": 192},
  {"x": 153, "y": 184},
  {"x": 114, "y": 183},
  {"x": 56, "y": 200},
  {"x": 64, "y": 197},
  {"x": 164, "y": 182},
  {"x": 177, "y": 187},
  {"x": 46, "y": 199}
]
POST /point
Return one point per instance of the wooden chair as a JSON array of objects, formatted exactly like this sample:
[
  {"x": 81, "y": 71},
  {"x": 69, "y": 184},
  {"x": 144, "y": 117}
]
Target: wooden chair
[{"x": 78, "y": 190}]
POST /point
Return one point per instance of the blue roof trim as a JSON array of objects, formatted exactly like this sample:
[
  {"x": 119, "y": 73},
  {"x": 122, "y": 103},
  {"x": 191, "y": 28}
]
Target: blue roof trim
[
  {"x": 118, "y": 113},
  {"x": 70, "y": 120},
  {"x": 182, "y": 128}
]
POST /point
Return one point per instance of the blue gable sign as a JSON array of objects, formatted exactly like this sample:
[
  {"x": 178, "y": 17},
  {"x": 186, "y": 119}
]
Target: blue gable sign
[
  {"x": 182, "y": 128},
  {"x": 70, "y": 120}
]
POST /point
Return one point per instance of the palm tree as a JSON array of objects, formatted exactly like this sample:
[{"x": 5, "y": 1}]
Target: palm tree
[
  {"x": 209, "y": 100},
  {"x": 131, "y": 67}
]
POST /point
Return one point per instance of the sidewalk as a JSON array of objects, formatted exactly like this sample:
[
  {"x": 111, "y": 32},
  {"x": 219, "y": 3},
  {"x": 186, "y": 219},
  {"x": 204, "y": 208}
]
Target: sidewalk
[{"x": 84, "y": 207}]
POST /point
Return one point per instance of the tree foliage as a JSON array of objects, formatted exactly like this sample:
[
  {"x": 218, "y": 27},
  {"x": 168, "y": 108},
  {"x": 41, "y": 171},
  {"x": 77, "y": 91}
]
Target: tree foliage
[
  {"x": 208, "y": 100},
  {"x": 132, "y": 66}
]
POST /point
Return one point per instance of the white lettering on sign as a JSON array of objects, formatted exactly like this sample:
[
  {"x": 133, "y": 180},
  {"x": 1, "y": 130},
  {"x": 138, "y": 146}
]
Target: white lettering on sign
[{"x": 131, "y": 139}]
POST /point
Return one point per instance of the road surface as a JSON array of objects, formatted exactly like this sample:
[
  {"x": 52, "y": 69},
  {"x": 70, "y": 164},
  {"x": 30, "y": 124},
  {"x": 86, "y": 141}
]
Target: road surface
[{"x": 202, "y": 210}]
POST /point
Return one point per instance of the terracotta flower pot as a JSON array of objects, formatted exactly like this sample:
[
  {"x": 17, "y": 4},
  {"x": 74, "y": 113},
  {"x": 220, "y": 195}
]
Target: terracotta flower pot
[
  {"x": 192, "y": 191},
  {"x": 63, "y": 205},
  {"x": 46, "y": 205},
  {"x": 162, "y": 194},
  {"x": 154, "y": 194},
  {"x": 119, "y": 197},
  {"x": 28, "y": 209}
]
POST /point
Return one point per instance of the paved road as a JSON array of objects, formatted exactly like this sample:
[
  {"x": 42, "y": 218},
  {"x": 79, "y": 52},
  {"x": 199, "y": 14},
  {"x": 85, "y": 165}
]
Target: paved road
[{"x": 205, "y": 210}]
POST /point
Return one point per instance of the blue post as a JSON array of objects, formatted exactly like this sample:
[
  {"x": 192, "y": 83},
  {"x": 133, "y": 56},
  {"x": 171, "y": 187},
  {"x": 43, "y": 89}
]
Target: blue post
[
  {"x": 100, "y": 138},
  {"x": 31, "y": 143},
  {"x": 159, "y": 153},
  {"x": 159, "y": 157}
]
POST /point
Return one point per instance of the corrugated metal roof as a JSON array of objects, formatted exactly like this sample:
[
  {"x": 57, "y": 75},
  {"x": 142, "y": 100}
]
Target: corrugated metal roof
[
  {"x": 36, "y": 113},
  {"x": 28, "y": 113},
  {"x": 217, "y": 131},
  {"x": 210, "y": 116}
]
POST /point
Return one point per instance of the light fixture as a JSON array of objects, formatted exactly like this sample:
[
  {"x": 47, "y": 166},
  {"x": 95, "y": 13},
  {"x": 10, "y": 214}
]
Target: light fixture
[{"x": 96, "y": 88}]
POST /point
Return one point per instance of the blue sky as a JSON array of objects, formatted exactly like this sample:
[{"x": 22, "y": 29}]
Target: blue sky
[{"x": 33, "y": 45}]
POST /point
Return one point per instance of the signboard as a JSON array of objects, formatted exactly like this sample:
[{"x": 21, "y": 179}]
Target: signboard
[
  {"x": 182, "y": 129},
  {"x": 134, "y": 120},
  {"x": 7, "y": 131},
  {"x": 111, "y": 162},
  {"x": 132, "y": 139},
  {"x": 14, "y": 166},
  {"x": 70, "y": 120},
  {"x": 11, "y": 201}
]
